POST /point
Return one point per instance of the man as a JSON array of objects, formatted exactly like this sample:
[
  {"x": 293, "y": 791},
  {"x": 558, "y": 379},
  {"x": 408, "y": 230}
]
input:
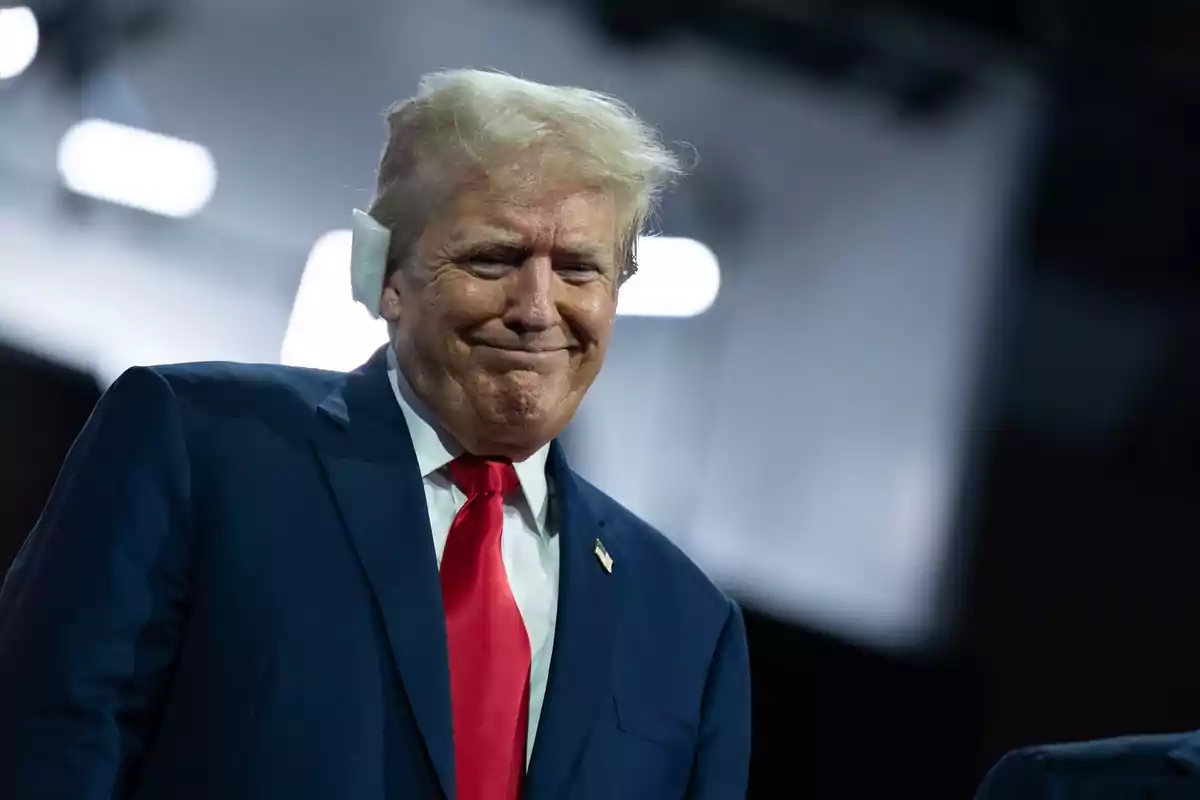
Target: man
[
  {"x": 268, "y": 582},
  {"x": 1162, "y": 767}
]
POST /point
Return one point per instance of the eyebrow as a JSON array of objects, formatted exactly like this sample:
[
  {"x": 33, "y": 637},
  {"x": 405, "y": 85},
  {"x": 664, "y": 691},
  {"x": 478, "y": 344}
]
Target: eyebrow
[
  {"x": 485, "y": 237},
  {"x": 580, "y": 252},
  {"x": 502, "y": 239}
]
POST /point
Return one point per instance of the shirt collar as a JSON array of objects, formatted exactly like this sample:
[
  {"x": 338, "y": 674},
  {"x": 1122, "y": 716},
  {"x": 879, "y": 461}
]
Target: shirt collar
[{"x": 435, "y": 448}]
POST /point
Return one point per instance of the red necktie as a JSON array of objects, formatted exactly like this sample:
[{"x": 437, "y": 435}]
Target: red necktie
[{"x": 486, "y": 638}]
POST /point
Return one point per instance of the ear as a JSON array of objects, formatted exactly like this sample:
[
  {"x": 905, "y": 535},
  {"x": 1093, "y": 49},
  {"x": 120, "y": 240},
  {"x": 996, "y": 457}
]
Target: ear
[{"x": 389, "y": 301}]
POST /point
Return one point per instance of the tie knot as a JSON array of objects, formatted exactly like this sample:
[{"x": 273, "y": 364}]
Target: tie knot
[{"x": 481, "y": 476}]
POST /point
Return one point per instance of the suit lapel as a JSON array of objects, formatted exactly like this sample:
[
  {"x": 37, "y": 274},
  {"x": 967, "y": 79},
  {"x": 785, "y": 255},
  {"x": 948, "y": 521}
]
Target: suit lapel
[
  {"x": 581, "y": 664},
  {"x": 369, "y": 460}
]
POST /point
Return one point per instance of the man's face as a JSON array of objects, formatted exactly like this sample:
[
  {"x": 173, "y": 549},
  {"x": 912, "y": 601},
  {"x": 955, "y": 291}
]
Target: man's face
[{"x": 503, "y": 317}]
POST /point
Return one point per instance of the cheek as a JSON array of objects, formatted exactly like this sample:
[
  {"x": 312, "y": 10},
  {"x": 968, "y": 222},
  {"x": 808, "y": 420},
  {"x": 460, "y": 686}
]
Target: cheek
[
  {"x": 593, "y": 312},
  {"x": 461, "y": 302}
]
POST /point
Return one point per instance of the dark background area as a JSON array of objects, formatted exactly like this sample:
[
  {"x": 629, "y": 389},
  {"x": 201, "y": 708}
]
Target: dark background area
[
  {"x": 1080, "y": 521},
  {"x": 1075, "y": 596},
  {"x": 42, "y": 408}
]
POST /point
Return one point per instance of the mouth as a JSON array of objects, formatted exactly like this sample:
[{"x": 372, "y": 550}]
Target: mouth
[{"x": 525, "y": 354}]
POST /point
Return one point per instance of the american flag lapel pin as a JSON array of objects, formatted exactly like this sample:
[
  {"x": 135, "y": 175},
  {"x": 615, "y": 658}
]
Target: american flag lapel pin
[{"x": 603, "y": 557}]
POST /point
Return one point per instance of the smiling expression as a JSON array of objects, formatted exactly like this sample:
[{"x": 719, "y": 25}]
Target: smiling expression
[{"x": 502, "y": 318}]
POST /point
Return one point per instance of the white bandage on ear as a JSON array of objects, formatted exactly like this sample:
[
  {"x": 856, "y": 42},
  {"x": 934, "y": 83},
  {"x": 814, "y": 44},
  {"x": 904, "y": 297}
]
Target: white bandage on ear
[{"x": 369, "y": 245}]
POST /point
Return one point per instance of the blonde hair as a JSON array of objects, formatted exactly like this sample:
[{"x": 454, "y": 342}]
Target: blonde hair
[{"x": 465, "y": 126}]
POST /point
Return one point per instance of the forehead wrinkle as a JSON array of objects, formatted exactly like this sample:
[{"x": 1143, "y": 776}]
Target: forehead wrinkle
[
  {"x": 533, "y": 226},
  {"x": 541, "y": 232}
]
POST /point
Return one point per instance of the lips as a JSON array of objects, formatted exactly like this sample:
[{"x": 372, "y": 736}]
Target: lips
[
  {"x": 539, "y": 360},
  {"x": 524, "y": 350}
]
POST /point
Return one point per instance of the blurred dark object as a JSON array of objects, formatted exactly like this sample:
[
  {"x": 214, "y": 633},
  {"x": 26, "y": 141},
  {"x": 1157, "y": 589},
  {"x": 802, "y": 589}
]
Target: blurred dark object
[
  {"x": 80, "y": 38},
  {"x": 824, "y": 41},
  {"x": 1054, "y": 23},
  {"x": 636, "y": 23},
  {"x": 1039, "y": 23},
  {"x": 839, "y": 721},
  {"x": 922, "y": 53},
  {"x": 43, "y": 406},
  {"x": 1120, "y": 198}
]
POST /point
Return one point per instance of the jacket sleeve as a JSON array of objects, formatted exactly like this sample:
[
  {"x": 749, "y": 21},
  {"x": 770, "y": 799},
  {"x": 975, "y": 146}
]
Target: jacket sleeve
[
  {"x": 1017, "y": 776},
  {"x": 722, "y": 766},
  {"x": 90, "y": 612}
]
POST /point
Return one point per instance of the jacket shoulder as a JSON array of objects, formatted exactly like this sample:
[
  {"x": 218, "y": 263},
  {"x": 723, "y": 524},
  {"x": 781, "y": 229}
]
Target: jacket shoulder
[
  {"x": 225, "y": 388},
  {"x": 1096, "y": 762}
]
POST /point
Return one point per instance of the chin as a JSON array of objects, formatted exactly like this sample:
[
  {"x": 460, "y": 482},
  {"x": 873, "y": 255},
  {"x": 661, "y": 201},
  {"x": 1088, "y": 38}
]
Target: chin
[
  {"x": 519, "y": 412},
  {"x": 524, "y": 401},
  {"x": 521, "y": 415}
]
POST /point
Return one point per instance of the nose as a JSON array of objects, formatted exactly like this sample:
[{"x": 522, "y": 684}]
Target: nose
[{"x": 531, "y": 302}]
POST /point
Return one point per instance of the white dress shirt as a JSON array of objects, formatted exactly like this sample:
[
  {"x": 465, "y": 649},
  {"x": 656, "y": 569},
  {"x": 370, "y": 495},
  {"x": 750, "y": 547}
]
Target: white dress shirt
[{"x": 529, "y": 549}]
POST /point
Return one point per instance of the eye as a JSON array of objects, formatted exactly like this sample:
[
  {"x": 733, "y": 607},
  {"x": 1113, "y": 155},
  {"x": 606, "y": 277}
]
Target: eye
[
  {"x": 577, "y": 270},
  {"x": 493, "y": 262},
  {"x": 490, "y": 257}
]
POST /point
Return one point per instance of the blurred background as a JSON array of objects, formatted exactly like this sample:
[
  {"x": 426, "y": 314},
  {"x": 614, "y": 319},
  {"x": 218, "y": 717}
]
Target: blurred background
[{"x": 912, "y": 371}]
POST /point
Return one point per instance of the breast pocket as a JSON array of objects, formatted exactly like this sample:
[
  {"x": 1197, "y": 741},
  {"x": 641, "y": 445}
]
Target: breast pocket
[
  {"x": 646, "y": 755},
  {"x": 653, "y": 723}
]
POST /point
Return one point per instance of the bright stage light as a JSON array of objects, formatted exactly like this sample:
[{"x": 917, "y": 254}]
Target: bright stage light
[
  {"x": 136, "y": 168},
  {"x": 676, "y": 277},
  {"x": 328, "y": 330},
  {"x": 18, "y": 40}
]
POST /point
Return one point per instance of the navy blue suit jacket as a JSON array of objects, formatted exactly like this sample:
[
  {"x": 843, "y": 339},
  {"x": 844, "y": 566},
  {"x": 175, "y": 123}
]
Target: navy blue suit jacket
[
  {"x": 1165, "y": 767},
  {"x": 233, "y": 594}
]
